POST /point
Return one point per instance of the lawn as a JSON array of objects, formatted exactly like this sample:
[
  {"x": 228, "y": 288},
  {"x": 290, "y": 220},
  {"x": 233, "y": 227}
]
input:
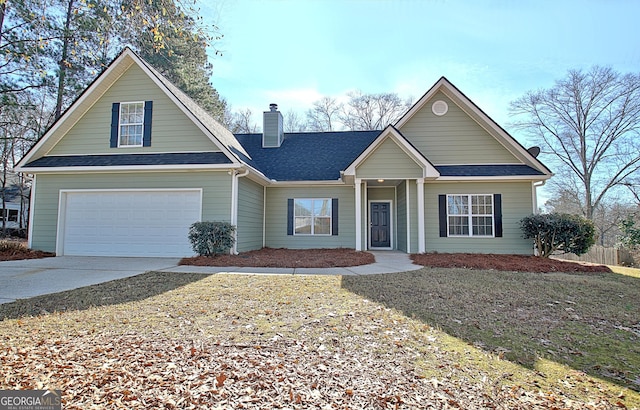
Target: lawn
[{"x": 450, "y": 338}]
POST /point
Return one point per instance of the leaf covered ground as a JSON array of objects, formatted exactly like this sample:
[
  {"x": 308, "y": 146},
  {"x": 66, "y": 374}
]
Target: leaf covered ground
[{"x": 325, "y": 342}]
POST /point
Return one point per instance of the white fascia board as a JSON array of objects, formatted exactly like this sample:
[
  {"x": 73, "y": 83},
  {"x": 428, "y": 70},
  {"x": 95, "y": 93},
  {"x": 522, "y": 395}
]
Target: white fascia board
[
  {"x": 481, "y": 118},
  {"x": 307, "y": 183},
  {"x": 128, "y": 168},
  {"x": 184, "y": 109},
  {"x": 510, "y": 178},
  {"x": 429, "y": 171},
  {"x": 88, "y": 98},
  {"x": 420, "y": 103}
]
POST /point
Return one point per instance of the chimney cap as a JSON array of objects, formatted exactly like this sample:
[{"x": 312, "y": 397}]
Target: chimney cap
[{"x": 273, "y": 107}]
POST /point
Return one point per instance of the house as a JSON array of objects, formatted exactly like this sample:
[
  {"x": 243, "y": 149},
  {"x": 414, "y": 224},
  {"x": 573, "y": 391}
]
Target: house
[
  {"x": 14, "y": 204},
  {"x": 134, "y": 162}
]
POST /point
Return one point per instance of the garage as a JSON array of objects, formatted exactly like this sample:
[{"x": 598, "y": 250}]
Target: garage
[{"x": 127, "y": 222}]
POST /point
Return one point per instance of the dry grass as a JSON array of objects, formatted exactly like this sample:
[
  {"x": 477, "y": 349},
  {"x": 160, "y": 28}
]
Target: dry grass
[
  {"x": 441, "y": 337},
  {"x": 588, "y": 322}
]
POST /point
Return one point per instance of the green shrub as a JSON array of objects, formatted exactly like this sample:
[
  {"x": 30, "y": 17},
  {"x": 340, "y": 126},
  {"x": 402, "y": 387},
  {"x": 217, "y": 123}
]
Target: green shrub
[
  {"x": 211, "y": 238},
  {"x": 630, "y": 236},
  {"x": 558, "y": 232}
]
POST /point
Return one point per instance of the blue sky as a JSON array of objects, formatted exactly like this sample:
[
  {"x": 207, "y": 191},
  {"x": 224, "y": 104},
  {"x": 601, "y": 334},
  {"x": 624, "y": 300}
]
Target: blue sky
[{"x": 295, "y": 52}]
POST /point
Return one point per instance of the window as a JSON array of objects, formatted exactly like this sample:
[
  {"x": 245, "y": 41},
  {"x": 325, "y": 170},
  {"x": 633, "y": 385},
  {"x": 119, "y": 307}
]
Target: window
[
  {"x": 131, "y": 124},
  {"x": 470, "y": 215},
  {"x": 312, "y": 216},
  {"x": 10, "y": 215}
]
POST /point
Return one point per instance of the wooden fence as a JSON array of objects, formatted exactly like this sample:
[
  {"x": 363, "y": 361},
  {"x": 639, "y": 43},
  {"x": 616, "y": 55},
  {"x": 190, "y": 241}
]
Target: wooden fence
[{"x": 601, "y": 255}]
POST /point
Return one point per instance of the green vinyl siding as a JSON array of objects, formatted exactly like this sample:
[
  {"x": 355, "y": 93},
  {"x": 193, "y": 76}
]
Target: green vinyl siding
[
  {"x": 276, "y": 218},
  {"x": 216, "y": 200},
  {"x": 172, "y": 130},
  {"x": 401, "y": 216},
  {"x": 381, "y": 194},
  {"x": 454, "y": 138},
  {"x": 250, "y": 215},
  {"x": 412, "y": 208},
  {"x": 389, "y": 161},
  {"x": 516, "y": 204}
]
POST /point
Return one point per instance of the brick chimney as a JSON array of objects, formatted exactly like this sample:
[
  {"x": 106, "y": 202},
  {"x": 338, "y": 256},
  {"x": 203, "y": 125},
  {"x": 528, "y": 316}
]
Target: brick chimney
[{"x": 272, "y": 128}]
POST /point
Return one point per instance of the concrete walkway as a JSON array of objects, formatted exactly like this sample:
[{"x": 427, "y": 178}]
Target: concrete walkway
[
  {"x": 386, "y": 262},
  {"x": 33, "y": 277}
]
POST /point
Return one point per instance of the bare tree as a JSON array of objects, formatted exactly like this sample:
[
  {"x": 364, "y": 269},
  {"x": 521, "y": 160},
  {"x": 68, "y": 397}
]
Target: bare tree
[
  {"x": 372, "y": 111},
  {"x": 293, "y": 122},
  {"x": 241, "y": 122},
  {"x": 324, "y": 115},
  {"x": 589, "y": 123}
]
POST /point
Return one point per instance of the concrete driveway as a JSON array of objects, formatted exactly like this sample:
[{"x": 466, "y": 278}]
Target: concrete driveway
[{"x": 32, "y": 277}]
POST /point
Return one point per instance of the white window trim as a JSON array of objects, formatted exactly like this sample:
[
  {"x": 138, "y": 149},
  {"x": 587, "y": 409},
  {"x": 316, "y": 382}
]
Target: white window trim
[
  {"x": 120, "y": 125},
  {"x": 313, "y": 217},
  {"x": 470, "y": 215}
]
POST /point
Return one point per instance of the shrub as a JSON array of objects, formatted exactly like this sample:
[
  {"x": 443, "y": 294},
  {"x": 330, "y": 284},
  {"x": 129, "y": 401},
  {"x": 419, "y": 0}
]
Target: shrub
[
  {"x": 630, "y": 232},
  {"x": 211, "y": 238},
  {"x": 558, "y": 232}
]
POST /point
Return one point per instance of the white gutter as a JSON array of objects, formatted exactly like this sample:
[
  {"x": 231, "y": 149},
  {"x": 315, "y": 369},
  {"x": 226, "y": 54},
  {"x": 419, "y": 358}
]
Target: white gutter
[
  {"x": 534, "y": 194},
  {"x": 32, "y": 200},
  {"x": 127, "y": 168}
]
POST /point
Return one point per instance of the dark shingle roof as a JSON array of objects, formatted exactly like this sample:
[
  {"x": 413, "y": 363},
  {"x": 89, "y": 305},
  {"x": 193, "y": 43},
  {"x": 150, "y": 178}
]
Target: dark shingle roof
[
  {"x": 309, "y": 156},
  {"x": 198, "y": 158},
  {"x": 486, "y": 170}
]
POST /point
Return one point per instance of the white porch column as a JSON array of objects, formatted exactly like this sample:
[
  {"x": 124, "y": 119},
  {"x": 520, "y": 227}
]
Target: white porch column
[
  {"x": 421, "y": 244},
  {"x": 358, "y": 187}
]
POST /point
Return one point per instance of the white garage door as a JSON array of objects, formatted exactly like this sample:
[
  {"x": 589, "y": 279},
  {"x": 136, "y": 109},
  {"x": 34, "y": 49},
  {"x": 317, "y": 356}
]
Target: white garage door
[{"x": 129, "y": 223}]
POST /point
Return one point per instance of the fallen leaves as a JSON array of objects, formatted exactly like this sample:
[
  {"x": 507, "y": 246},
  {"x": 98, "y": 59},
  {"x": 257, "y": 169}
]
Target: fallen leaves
[
  {"x": 253, "y": 342},
  {"x": 137, "y": 372}
]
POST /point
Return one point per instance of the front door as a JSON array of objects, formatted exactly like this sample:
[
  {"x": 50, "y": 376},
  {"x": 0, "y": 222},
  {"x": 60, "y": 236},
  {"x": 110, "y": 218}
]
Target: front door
[{"x": 380, "y": 215}]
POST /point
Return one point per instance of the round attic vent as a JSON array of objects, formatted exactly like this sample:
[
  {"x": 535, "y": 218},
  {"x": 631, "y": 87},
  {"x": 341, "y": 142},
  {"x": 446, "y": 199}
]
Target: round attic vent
[{"x": 439, "y": 108}]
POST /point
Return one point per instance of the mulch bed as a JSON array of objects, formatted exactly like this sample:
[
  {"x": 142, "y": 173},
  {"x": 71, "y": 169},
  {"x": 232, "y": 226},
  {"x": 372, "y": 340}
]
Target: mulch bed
[
  {"x": 14, "y": 250},
  {"x": 516, "y": 263},
  {"x": 286, "y": 258}
]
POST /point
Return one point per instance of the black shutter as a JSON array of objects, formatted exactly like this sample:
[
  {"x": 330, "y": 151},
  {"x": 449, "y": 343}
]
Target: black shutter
[
  {"x": 442, "y": 213},
  {"x": 334, "y": 216},
  {"x": 497, "y": 214},
  {"x": 146, "y": 133},
  {"x": 289, "y": 216},
  {"x": 115, "y": 120}
]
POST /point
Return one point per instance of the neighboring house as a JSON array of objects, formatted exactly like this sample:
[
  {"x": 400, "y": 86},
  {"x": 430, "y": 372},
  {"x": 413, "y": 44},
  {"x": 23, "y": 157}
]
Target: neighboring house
[
  {"x": 15, "y": 207},
  {"x": 134, "y": 162}
]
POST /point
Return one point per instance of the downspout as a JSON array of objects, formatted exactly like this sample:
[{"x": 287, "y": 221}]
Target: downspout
[
  {"x": 32, "y": 207},
  {"x": 264, "y": 216},
  {"x": 534, "y": 194},
  {"x": 234, "y": 206}
]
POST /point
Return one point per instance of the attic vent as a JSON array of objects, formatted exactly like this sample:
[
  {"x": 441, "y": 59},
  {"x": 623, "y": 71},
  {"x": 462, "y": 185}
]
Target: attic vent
[{"x": 439, "y": 108}]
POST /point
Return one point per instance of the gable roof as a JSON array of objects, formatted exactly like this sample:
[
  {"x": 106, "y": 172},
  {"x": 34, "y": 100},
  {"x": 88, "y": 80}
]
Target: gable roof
[
  {"x": 218, "y": 134},
  {"x": 306, "y": 156},
  {"x": 429, "y": 171},
  {"x": 470, "y": 108}
]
